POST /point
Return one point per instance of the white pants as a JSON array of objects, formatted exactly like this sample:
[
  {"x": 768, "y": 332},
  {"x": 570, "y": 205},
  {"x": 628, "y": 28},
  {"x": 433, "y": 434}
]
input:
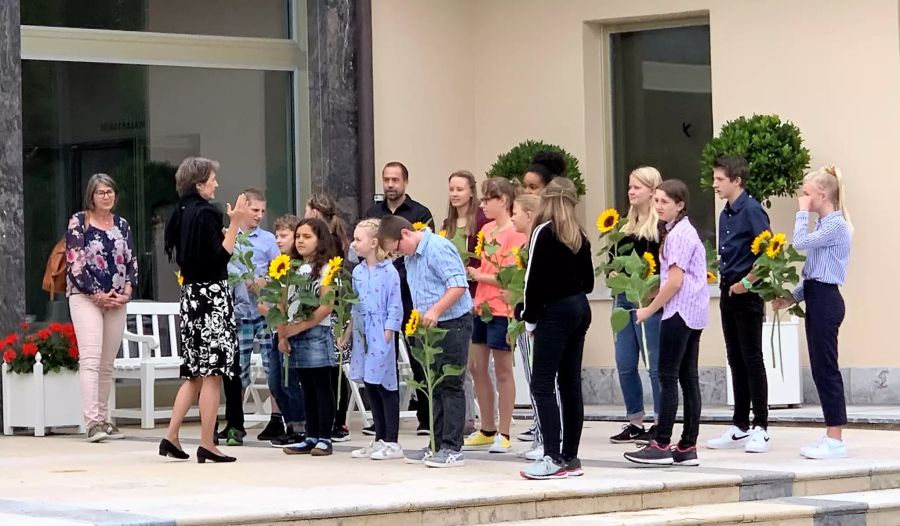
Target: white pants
[{"x": 99, "y": 335}]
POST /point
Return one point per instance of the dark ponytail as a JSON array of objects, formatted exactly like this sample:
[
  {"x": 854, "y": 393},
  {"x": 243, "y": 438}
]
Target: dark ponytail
[{"x": 547, "y": 165}]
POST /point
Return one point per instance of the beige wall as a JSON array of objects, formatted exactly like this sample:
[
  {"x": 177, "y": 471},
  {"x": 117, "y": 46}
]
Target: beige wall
[{"x": 459, "y": 81}]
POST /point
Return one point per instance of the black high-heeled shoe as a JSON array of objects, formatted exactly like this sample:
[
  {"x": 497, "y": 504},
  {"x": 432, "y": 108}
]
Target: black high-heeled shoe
[
  {"x": 204, "y": 454},
  {"x": 168, "y": 449}
]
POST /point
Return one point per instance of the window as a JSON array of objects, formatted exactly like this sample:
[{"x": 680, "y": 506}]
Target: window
[
  {"x": 662, "y": 111},
  {"x": 136, "y": 123},
  {"x": 239, "y": 18}
]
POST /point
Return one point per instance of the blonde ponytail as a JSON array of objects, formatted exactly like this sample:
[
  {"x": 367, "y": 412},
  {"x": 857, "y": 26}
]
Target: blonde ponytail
[
  {"x": 371, "y": 225},
  {"x": 558, "y": 202},
  {"x": 830, "y": 180}
]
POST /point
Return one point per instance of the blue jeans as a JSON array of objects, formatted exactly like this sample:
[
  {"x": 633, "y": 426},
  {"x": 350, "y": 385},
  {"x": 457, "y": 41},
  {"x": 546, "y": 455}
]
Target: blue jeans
[
  {"x": 628, "y": 351},
  {"x": 288, "y": 397}
]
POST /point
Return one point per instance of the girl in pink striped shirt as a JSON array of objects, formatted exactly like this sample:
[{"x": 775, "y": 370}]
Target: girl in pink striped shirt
[{"x": 684, "y": 298}]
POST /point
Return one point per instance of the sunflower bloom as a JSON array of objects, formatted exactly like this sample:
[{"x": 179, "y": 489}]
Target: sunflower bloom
[
  {"x": 443, "y": 233},
  {"x": 775, "y": 245},
  {"x": 418, "y": 225},
  {"x": 479, "y": 245},
  {"x": 334, "y": 266},
  {"x": 710, "y": 277},
  {"x": 759, "y": 243},
  {"x": 520, "y": 261},
  {"x": 651, "y": 264},
  {"x": 279, "y": 266},
  {"x": 607, "y": 220},
  {"x": 413, "y": 324},
  {"x": 179, "y": 278}
]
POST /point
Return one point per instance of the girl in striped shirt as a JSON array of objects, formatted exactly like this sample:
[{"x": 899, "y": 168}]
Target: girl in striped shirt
[
  {"x": 684, "y": 299},
  {"x": 828, "y": 252}
]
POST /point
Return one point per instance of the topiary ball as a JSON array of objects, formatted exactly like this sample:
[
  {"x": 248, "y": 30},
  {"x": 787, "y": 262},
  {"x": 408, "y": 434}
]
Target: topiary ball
[{"x": 513, "y": 164}]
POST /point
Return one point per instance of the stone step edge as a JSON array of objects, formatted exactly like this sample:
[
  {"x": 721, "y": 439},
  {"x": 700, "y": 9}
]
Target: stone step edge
[{"x": 827, "y": 509}]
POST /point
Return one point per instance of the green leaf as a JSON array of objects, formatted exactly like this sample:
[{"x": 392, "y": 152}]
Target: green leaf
[{"x": 619, "y": 319}]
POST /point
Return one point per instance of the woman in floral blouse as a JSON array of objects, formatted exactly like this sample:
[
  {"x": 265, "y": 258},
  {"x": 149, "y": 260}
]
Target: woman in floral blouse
[{"x": 101, "y": 273}]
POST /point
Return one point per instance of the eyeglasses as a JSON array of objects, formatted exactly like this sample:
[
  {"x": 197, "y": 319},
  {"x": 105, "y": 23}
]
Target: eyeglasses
[{"x": 105, "y": 193}]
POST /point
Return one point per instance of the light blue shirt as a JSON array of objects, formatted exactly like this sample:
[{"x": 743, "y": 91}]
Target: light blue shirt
[
  {"x": 432, "y": 271},
  {"x": 380, "y": 308},
  {"x": 262, "y": 243},
  {"x": 827, "y": 249}
]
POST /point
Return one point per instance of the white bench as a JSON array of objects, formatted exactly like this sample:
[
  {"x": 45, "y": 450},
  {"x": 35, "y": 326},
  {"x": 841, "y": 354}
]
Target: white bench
[{"x": 146, "y": 358}]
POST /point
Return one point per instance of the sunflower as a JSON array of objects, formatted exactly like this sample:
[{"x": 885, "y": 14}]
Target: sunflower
[
  {"x": 279, "y": 266},
  {"x": 334, "y": 266},
  {"x": 607, "y": 220},
  {"x": 443, "y": 233},
  {"x": 711, "y": 278},
  {"x": 759, "y": 243},
  {"x": 413, "y": 324},
  {"x": 418, "y": 225},
  {"x": 479, "y": 244},
  {"x": 179, "y": 278},
  {"x": 651, "y": 264},
  {"x": 775, "y": 245},
  {"x": 520, "y": 262}
]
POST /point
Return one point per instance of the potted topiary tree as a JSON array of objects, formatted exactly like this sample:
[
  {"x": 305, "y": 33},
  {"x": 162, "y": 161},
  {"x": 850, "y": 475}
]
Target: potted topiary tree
[
  {"x": 513, "y": 164},
  {"x": 777, "y": 161}
]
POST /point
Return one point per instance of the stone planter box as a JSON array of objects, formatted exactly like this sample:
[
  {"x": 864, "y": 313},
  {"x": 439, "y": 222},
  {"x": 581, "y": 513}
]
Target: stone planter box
[{"x": 40, "y": 401}]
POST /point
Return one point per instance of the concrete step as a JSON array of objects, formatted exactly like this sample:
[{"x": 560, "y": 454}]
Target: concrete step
[{"x": 867, "y": 508}]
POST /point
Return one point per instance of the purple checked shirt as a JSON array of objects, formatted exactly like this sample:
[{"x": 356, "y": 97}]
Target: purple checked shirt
[{"x": 683, "y": 248}]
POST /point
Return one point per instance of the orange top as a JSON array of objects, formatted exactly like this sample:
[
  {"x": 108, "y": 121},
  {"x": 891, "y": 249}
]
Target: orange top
[{"x": 508, "y": 238}]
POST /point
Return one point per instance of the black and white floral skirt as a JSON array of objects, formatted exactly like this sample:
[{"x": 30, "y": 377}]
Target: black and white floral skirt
[{"x": 208, "y": 330}]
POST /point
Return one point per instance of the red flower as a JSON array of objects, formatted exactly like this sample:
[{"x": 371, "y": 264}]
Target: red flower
[
  {"x": 56, "y": 327},
  {"x": 9, "y": 356},
  {"x": 29, "y": 349},
  {"x": 23, "y": 326},
  {"x": 73, "y": 352},
  {"x": 12, "y": 338},
  {"x": 44, "y": 334}
]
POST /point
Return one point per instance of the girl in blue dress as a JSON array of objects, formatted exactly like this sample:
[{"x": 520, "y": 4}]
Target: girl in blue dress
[{"x": 375, "y": 319}]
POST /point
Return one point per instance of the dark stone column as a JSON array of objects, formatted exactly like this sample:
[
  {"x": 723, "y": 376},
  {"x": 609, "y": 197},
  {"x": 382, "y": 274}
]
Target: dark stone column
[
  {"x": 340, "y": 94},
  {"x": 12, "y": 218}
]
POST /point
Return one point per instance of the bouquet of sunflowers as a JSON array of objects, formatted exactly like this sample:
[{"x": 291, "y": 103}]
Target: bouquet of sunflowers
[
  {"x": 776, "y": 272},
  {"x": 626, "y": 271}
]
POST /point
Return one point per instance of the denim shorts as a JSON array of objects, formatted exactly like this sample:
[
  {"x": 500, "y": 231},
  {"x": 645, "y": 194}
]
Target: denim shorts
[
  {"x": 313, "y": 348},
  {"x": 492, "y": 333}
]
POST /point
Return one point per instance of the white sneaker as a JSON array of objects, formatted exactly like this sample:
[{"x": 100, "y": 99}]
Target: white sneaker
[
  {"x": 369, "y": 450},
  {"x": 733, "y": 438},
  {"x": 825, "y": 448},
  {"x": 759, "y": 441},
  {"x": 390, "y": 451},
  {"x": 534, "y": 452},
  {"x": 501, "y": 444}
]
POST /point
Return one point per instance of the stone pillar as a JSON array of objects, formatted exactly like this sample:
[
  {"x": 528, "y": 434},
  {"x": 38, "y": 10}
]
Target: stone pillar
[
  {"x": 340, "y": 94},
  {"x": 12, "y": 217}
]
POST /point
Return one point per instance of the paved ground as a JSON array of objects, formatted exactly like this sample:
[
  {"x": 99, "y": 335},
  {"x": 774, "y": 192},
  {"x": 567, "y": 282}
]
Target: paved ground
[{"x": 63, "y": 480}]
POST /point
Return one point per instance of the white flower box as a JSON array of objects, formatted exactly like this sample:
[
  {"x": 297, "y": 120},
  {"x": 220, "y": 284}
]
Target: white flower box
[
  {"x": 785, "y": 380},
  {"x": 41, "y": 401}
]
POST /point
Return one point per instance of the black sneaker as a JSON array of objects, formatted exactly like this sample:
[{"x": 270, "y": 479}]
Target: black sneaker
[
  {"x": 573, "y": 468},
  {"x": 274, "y": 429},
  {"x": 235, "y": 437},
  {"x": 644, "y": 438},
  {"x": 628, "y": 434},
  {"x": 527, "y": 436},
  {"x": 340, "y": 434},
  {"x": 423, "y": 432},
  {"x": 651, "y": 454},
  {"x": 302, "y": 449},
  {"x": 288, "y": 439},
  {"x": 685, "y": 457},
  {"x": 369, "y": 431}
]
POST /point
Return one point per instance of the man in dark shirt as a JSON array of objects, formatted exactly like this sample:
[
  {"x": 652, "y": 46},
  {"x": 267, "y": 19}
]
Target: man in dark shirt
[
  {"x": 742, "y": 219},
  {"x": 395, "y": 178}
]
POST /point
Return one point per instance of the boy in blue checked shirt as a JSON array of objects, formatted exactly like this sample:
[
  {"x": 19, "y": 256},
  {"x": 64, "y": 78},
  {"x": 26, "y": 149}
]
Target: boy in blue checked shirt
[
  {"x": 440, "y": 292},
  {"x": 251, "y": 326}
]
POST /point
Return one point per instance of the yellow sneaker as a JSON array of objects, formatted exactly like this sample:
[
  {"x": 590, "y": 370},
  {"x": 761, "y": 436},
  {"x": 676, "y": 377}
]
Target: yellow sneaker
[
  {"x": 501, "y": 444},
  {"x": 477, "y": 441}
]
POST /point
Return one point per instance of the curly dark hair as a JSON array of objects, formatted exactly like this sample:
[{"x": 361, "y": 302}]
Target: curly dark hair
[
  {"x": 547, "y": 165},
  {"x": 325, "y": 245}
]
